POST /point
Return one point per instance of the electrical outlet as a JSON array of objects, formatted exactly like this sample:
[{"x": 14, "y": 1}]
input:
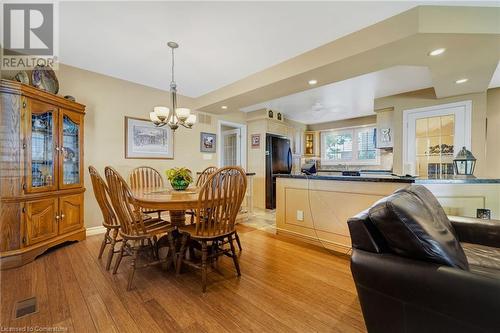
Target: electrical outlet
[{"x": 300, "y": 215}]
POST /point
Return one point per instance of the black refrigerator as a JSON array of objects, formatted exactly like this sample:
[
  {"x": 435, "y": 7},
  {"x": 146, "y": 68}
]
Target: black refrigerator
[{"x": 278, "y": 161}]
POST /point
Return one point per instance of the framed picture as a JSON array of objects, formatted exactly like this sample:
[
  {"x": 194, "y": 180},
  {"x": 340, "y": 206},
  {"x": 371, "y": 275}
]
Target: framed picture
[
  {"x": 255, "y": 141},
  {"x": 144, "y": 140},
  {"x": 208, "y": 142}
]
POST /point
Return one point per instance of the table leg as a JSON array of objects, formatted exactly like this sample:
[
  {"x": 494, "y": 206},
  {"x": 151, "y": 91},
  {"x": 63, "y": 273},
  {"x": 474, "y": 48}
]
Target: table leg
[{"x": 178, "y": 217}]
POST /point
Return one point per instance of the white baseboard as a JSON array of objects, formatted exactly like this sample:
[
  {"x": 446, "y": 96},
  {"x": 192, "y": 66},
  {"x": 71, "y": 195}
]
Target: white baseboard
[{"x": 95, "y": 230}]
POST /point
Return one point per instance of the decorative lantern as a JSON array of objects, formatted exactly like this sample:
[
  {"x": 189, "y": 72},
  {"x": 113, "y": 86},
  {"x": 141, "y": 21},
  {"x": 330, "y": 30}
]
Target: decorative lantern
[{"x": 464, "y": 163}]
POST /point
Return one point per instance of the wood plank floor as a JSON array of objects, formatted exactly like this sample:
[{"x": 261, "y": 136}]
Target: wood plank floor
[{"x": 284, "y": 287}]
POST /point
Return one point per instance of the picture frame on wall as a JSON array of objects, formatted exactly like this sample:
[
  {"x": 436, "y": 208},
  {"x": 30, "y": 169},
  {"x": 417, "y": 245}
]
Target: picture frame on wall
[
  {"x": 143, "y": 140},
  {"x": 255, "y": 141},
  {"x": 208, "y": 142}
]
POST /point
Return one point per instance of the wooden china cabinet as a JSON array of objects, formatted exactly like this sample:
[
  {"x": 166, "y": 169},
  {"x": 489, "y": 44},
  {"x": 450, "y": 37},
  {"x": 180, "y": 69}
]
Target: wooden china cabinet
[{"x": 41, "y": 172}]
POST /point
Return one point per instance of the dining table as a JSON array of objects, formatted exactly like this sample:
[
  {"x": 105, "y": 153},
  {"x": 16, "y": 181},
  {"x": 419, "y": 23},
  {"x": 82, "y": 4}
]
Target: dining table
[{"x": 164, "y": 198}]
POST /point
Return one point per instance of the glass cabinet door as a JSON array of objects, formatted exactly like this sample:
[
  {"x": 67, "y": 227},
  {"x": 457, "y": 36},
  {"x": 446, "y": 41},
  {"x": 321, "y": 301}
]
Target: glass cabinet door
[
  {"x": 70, "y": 149},
  {"x": 40, "y": 144}
]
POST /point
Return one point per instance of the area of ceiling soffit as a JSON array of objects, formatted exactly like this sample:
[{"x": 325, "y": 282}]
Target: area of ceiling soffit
[{"x": 471, "y": 36}]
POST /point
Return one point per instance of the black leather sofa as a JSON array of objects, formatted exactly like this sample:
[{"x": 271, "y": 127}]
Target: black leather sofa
[{"x": 417, "y": 270}]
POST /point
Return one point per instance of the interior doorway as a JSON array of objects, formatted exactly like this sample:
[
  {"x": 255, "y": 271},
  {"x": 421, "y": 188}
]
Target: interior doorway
[{"x": 231, "y": 144}]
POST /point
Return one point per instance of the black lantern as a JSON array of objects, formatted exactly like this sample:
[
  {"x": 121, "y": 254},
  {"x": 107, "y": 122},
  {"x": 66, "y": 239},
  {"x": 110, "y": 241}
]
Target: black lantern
[{"x": 464, "y": 163}]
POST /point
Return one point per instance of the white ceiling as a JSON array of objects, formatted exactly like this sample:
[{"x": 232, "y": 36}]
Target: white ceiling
[
  {"x": 349, "y": 98},
  {"x": 220, "y": 42}
]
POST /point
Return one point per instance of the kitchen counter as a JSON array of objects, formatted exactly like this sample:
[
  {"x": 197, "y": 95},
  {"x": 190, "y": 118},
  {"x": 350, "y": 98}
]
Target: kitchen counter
[
  {"x": 382, "y": 177},
  {"x": 456, "y": 180},
  {"x": 363, "y": 178},
  {"x": 315, "y": 208}
]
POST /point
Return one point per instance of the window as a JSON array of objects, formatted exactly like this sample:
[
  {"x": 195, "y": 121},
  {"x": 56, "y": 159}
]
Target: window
[
  {"x": 433, "y": 135},
  {"x": 349, "y": 146}
]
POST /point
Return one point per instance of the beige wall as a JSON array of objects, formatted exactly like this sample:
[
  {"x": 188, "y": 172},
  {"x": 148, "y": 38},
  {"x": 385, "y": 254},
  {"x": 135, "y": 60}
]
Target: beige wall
[
  {"x": 359, "y": 121},
  {"x": 108, "y": 101},
  {"x": 493, "y": 134},
  {"x": 426, "y": 97}
]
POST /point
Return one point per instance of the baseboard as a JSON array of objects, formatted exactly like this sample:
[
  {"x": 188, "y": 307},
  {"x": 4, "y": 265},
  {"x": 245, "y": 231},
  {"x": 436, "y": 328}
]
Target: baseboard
[
  {"x": 95, "y": 230},
  {"x": 315, "y": 241}
]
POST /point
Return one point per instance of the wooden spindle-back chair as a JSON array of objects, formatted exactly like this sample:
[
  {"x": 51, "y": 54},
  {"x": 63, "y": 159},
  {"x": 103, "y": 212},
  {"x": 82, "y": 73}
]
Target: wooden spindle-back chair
[
  {"x": 203, "y": 176},
  {"x": 137, "y": 234},
  {"x": 110, "y": 222},
  {"x": 145, "y": 177},
  {"x": 219, "y": 202}
]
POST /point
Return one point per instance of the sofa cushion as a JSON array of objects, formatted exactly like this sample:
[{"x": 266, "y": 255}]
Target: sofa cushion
[
  {"x": 431, "y": 203},
  {"x": 413, "y": 230}
]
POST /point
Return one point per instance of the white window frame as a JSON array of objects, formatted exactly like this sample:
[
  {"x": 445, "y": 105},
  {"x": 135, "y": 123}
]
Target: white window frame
[
  {"x": 462, "y": 134},
  {"x": 354, "y": 161}
]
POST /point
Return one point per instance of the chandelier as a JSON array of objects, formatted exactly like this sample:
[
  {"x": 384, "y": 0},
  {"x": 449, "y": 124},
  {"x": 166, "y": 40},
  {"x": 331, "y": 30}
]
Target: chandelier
[{"x": 161, "y": 115}]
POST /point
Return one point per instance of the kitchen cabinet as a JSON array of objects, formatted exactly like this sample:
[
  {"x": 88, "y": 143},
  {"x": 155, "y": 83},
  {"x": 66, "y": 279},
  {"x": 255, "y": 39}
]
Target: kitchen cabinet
[
  {"x": 385, "y": 128},
  {"x": 311, "y": 143}
]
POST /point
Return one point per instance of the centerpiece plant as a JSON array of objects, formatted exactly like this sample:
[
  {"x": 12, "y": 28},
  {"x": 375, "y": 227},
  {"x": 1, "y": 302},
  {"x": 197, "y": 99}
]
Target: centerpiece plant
[{"x": 179, "y": 178}]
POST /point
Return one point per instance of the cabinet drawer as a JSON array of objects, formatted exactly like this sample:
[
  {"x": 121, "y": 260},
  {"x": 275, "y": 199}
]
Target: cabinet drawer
[{"x": 71, "y": 209}]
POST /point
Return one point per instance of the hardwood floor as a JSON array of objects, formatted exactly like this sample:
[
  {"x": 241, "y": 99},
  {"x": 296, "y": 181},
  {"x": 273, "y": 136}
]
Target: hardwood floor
[{"x": 284, "y": 287}]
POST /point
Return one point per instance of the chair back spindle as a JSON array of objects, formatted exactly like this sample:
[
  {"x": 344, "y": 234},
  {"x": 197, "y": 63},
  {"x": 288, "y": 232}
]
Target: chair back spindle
[
  {"x": 203, "y": 176},
  {"x": 128, "y": 213},
  {"x": 145, "y": 177},
  {"x": 101, "y": 194},
  {"x": 219, "y": 202}
]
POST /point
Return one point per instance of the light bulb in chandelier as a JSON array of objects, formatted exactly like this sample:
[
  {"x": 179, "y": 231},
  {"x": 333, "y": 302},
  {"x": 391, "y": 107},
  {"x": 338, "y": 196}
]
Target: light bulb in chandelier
[
  {"x": 183, "y": 113},
  {"x": 191, "y": 120}
]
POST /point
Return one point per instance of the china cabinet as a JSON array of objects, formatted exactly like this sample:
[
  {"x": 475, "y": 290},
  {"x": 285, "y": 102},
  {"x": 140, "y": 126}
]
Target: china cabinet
[{"x": 41, "y": 172}]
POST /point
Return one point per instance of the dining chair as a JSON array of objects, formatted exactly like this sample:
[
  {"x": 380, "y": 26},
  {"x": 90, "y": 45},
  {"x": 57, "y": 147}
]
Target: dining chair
[
  {"x": 110, "y": 221},
  {"x": 138, "y": 235},
  {"x": 145, "y": 177},
  {"x": 202, "y": 178},
  {"x": 219, "y": 202}
]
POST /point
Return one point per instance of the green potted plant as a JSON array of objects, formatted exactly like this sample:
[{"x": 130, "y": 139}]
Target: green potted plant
[{"x": 179, "y": 178}]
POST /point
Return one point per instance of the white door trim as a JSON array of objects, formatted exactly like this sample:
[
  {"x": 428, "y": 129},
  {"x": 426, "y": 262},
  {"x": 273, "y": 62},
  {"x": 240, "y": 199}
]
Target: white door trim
[
  {"x": 439, "y": 110},
  {"x": 243, "y": 141}
]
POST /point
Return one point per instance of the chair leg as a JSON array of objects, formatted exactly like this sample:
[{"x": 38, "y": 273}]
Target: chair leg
[
  {"x": 235, "y": 257},
  {"x": 181, "y": 254},
  {"x": 204, "y": 255},
  {"x": 238, "y": 241},
  {"x": 103, "y": 244},
  {"x": 120, "y": 256},
  {"x": 112, "y": 250},
  {"x": 132, "y": 268}
]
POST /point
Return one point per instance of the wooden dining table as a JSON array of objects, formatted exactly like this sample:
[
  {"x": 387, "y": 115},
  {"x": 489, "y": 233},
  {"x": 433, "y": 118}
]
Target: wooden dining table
[{"x": 163, "y": 198}]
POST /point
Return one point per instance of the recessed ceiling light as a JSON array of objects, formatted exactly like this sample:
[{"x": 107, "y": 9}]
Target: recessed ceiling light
[
  {"x": 224, "y": 107},
  {"x": 437, "y": 52},
  {"x": 461, "y": 81},
  {"x": 312, "y": 82}
]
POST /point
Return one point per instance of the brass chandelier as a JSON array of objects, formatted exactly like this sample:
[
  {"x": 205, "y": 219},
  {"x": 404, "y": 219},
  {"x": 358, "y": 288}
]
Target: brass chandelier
[{"x": 161, "y": 115}]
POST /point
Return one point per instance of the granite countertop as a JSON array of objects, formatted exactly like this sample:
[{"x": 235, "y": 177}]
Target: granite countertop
[
  {"x": 362, "y": 178},
  {"x": 370, "y": 177},
  {"x": 456, "y": 180}
]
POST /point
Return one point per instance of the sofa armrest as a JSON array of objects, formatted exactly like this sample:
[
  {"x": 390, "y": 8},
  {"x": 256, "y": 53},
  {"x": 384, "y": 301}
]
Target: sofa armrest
[
  {"x": 477, "y": 231},
  {"x": 398, "y": 294}
]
